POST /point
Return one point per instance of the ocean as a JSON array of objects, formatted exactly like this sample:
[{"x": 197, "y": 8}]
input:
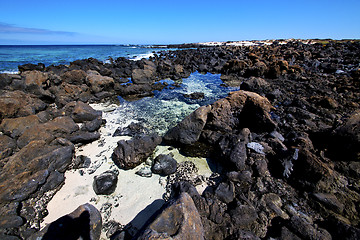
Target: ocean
[{"x": 13, "y": 55}]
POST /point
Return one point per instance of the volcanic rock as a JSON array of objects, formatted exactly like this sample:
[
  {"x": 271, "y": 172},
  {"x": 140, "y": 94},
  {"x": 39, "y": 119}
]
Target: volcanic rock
[
  {"x": 179, "y": 220},
  {"x": 188, "y": 131},
  {"x": 19, "y": 104},
  {"x": 98, "y": 82},
  {"x": 85, "y": 222},
  {"x": 130, "y": 153},
  {"x": 105, "y": 183},
  {"x": 164, "y": 165}
]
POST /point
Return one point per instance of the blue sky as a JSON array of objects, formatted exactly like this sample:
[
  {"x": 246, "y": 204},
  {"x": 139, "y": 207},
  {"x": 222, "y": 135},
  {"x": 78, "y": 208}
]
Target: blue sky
[{"x": 160, "y": 22}]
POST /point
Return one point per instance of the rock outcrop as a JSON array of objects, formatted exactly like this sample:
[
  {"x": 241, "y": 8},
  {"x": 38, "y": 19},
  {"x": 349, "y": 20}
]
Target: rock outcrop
[
  {"x": 130, "y": 153},
  {"x": 179, "y": 220}
]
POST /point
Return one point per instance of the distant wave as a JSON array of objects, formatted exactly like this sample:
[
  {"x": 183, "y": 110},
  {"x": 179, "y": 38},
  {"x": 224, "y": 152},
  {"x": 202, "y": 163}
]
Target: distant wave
[
  {"x": 10, "y": 72},
  {"x": 141, "y": 56}
]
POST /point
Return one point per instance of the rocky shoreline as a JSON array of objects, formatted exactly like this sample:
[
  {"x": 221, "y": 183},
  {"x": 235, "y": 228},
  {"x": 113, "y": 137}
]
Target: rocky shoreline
[{"x": 288, "y": 143}]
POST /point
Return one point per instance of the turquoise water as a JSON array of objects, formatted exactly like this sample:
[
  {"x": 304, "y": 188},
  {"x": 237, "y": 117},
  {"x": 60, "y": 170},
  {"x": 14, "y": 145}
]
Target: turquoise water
[{"x": 12, "y": 56}]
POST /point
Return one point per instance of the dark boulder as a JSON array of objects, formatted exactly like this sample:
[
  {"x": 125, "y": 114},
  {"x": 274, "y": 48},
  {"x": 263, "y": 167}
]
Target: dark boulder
[
  {"x": 83, "y": 137},
  {"x": 346, "y": 141},
  {"x": 105, "y": 183},
  {"x": 234, "y": 66},
  {"x": 19, "y": 104},
  {"x": 243, "y": 216},
  {"x": 15, "y": 127},
  {"x": 164, "y": 165},
  {"x": 76, "y": 77},
  {"x": 7, "y": 146},
  {"x": 38, "y": 161},
  {"x": 233, "y": 151},
  {"x": 225, "y": 192},
  {"x": 98, "y": 83},
  {"x": 85, "y": 222},
  {"x": 35, "y": 78},
  {"x": 188, "y": 130},
  {"x": 255, "y": 114},
  {"x": 31, "y": 67},
  {"x": 306, "y": 230},
  {"x": 82, "y": 112},
  {"x": 93, "y": 125},
  {"x": 255, "y": 84},
  {"x": 195, "y": 95},
  {"x": 59, "y": 127},
  {"x": 132, "y": 130},
  {"x": 5, "y": 80},
  {"x": 179, "y": 220},
  {"x": 130, "y": 153}
]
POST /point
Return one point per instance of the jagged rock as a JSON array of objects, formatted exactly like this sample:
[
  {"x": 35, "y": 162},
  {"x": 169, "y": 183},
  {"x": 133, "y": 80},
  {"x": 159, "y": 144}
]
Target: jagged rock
[
  {"x": 37, "y": 161},
  {"x": 132, "y": 130},
  {"x": 98, "y": 82},
  {"x": 164, "y": 165},
  {"x": 83, "y": 137},
  {"x": 7, "y": 146},
  {"x": 255, "y": 84},
  {"x": 66, "y": 93},
  {"x": 347, "y": 139},
  {"x": 59, "y": 127},
  {"x": 329, "y": 201},
  {"x": 188, "y": 130},
  {"x": 31, "y": 67},
  {"x": 233, "y": 150},
  {"x": 83, "y": 112},
  {"x": 195, "y": 95},
  {"x": 81, "y": 161},
  {"x": 305, "y": 230},
  {"x": 220, "y": 116},
  {"x": 234, "y": 66},
  {"x": 272, "y": 204},
  {"x": 179, "y": 220},
  {"x": 225, "y": 192},
  {"x": 243, "y": 215},
  {"x": 255, "y": 114},
  {"x": 35, "y": 78},
  {"x": 5, "y": 80},
  {"x": 105, "y": 183},
  {"x": 83, "y": 223},
  {"x": 244, "y": 235},
  {"x": 19, "y": 104},
  {"x": 77, "y": 77},
  {"x": 93, "y": 125},
  {"x": 15, "y": 127},
  {"x": 142, "y": 76},
  {"x": 129, "y": 154}
]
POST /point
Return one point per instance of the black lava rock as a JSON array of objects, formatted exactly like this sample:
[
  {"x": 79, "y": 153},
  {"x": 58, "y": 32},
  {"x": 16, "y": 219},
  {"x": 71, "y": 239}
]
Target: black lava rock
[
  {"x": 164, "y": 165},
  {"x": 105, "y": 183}
]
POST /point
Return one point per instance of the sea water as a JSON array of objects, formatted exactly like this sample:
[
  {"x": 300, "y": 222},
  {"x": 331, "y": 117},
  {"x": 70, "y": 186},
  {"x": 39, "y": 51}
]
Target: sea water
[{"x": 13, "y": 55}]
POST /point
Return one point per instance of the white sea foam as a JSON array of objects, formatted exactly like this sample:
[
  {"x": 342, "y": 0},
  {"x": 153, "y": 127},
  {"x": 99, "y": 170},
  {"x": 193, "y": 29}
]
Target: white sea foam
[
  {"x": 10, "y": 72},
  {"x": 141, "y": 56}
]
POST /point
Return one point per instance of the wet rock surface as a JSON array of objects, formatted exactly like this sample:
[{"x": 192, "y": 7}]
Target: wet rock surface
[{"x": 287, "y": 143}]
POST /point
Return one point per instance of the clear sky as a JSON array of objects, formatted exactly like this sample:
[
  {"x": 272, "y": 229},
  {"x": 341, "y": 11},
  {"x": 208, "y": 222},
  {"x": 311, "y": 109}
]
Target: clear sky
[{"x": 172, "y": 21}]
